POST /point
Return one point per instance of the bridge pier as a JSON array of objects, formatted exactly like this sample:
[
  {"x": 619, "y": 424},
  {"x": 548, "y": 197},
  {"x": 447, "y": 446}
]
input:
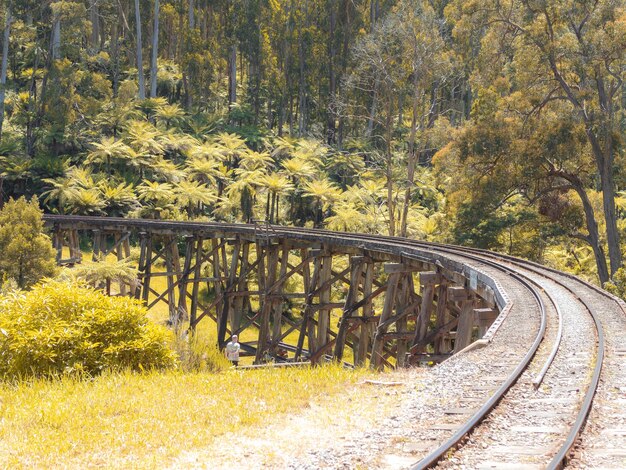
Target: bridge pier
[
  {"x": 290, "y": 295},
  {"x": 70, "y": 239}
]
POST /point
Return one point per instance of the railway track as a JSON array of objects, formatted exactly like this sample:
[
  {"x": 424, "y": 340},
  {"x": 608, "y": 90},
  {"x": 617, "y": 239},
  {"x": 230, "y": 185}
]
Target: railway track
[{"x": 536, "y": 405}]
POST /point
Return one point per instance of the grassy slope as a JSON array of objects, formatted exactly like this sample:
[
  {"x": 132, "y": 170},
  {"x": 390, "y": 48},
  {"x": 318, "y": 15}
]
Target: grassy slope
[
  {"x": 131, "y": 420},
  {"x": 148, "y": 420}
]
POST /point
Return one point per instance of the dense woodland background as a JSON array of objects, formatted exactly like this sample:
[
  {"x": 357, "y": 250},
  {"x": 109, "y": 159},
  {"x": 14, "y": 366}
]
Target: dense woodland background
[{"x": 495, "y": 124}]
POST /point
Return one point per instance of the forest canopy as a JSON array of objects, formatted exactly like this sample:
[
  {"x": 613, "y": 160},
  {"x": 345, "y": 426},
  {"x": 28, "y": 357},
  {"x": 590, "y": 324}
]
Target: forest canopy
[{"x": 486, "y": 123}]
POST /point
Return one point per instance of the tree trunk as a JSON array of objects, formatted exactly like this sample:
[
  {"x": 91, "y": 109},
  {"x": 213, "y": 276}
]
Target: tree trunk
[
  {"x": 389, "y": 170},
  {"x": 374, "y": 6},
  {"x": 612, "y": 233},
  {"x": 155, "y": 52},
  {"x": 232, "y": 74},
  {"x": 605, "y": 167},
  {"x": 603, "y": 156},
  {"x": 142, "y": 83},
  {"x": 187, "y": 92},
  {"x": 95, "y": 24},
  {"x": 373, "y": 109},
  {"x": 592, "y": 226},
  {"x": 302, "y": 89},
  {"x": 412, "y": 160},
  {"x": 192, "y": 16},
  {"x": 56, "y": 38},
  {"x": 347, "y": 31},
  {"x": 5, "y": 62},
  {"x": 332, "y": 79},
  {"x": 32, "y": 106},
  {"x": 115, "y": 53},
  {"x": 604, "y": 164}
]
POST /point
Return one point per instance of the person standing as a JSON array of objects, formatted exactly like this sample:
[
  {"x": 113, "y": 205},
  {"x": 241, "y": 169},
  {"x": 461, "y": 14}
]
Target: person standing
[{"x": 232, "y": 350}]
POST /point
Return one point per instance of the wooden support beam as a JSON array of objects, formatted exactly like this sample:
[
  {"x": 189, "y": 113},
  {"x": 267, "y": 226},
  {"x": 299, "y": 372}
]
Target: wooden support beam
[
  {"x": 145, "y": 265},
  {"x": 240, "y": 303},
  {"x": 310, "y": 283},
  {"x": 364, "y": 319},
  {"x": 399, "y": 336},
  {"x": 266, "y": 279},
  {"x": 317, "y": 355},
  {"x": 425, "y": 313},
  {"x": 197, "y": 252},
  {"x": 355, "y": 277},
  {"x": 390, "y": 297},
  {"x": 435, "y": 335},
  {"x": 97, "y": 242},
  {"x": 276, "y": 288},
  {"x": 171, "y": 282},
  {"x": 400, "y": 268},
  {"x": 227, "y": 303},
  {"x": 328, "y": 306},
  {"x": 484, "y": 318},
  {"x": 323, "y": 315},
  {"x": 366, "y": 329},
  {"x": 403, "y": 310},
  {"x": 429, "y": 278},
  {"x": 118, "y": 241},
  {"x": 74, "y": 242},
  {"x": 58, "y": 244},
  {"x": 120, "y": 256},
  {"x": 183, "y": 281},
  {"x": 465, "y": 327},
  {"x": 457, "y": 294}
]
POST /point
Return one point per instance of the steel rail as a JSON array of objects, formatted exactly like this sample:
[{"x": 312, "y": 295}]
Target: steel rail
[
  {"x": 585, "y": 408},
  {"x": 576, "y": 428},
  {"x": 435, "y": 456},
  {"x": 537, "y": 381},
  {"x": 560, "y": 457}
]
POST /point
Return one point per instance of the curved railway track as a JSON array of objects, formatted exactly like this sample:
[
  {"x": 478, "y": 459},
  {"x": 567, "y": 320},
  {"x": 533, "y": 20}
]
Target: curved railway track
[{"x": 558, "y": 300}]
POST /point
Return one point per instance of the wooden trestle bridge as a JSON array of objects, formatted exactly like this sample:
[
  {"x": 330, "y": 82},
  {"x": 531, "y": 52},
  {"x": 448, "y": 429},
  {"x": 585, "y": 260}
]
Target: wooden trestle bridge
[
  {"x": 301, "y": 294},
  {"x": 297, "y": 294}
]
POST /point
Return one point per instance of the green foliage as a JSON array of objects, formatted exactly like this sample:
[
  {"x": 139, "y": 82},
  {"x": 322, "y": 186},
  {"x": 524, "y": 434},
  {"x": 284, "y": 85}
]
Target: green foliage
[
  {"x": 26, "y": 254},
  {"x": 617, "y": 285},
  {"x": 105, "y": 271},
  {"x": 340, "y": 107},
  {"x": 66, "y": 328},
  {"x": 200, "y": 354}
]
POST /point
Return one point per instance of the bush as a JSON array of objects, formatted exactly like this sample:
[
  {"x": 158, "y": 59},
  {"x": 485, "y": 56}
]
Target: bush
[
  {"x": 67, "y": 328},
  {"x": 617, "y": 285},
  {"x": 200, "y": 354},
  {"x": 26, "y": 254}
]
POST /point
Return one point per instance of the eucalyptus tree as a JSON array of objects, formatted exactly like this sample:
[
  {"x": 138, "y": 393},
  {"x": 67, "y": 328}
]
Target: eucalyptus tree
[
  {"x": 567, "y": 51},
  {"x": 8, "y": 20},
  {"x": 139, "y": 51},
  {"x": 429, "y": 67},
  {"x": 154, "y": 65}
]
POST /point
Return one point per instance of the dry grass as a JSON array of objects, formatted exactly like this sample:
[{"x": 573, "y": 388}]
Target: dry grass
[
  {"x": 126, "y": 420},
  {"x": 146, "y": 421}
]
